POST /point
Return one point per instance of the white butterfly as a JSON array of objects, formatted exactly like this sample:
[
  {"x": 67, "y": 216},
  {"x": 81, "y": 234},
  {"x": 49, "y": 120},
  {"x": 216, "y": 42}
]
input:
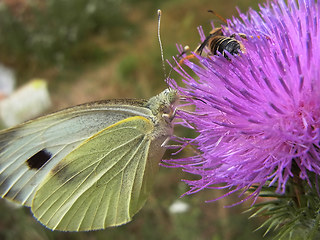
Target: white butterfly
[{"x": 87, "y": 167}]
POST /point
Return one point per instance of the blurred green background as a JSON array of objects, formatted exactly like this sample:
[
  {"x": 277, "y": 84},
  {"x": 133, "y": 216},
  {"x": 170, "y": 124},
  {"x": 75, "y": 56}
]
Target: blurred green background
[{"x": 92, "y": 49}]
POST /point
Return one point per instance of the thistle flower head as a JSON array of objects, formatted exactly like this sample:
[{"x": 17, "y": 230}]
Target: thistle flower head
[{"x": 258, "y": 113}]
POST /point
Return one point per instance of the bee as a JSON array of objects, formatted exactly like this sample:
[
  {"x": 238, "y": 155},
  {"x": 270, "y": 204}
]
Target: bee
[{"x": 216, "y": 42}]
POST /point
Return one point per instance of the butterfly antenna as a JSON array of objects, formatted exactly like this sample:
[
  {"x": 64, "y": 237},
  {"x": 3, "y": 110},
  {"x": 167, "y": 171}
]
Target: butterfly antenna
[{"x": 160, "y": 43}]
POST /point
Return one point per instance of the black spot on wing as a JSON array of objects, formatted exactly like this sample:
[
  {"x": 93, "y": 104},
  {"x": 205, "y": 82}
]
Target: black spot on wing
[{"x": 39, "y": 159}]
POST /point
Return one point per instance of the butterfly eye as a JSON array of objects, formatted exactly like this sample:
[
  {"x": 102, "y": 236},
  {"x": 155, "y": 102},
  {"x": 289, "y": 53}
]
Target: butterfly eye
[
  {"x": 167, "y": 110},
  {"x": 168, "y": 114}
]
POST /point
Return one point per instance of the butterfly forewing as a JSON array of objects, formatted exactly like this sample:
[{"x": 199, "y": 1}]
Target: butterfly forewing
[
  {"x": 29, "y": 151},
  {"x": 108, "y": 190}
]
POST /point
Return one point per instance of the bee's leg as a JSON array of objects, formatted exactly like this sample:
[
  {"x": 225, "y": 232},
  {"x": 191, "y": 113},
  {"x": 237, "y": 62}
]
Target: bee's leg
[
  {"x": 244, "y": 36},
  {"x": 191, "y": 56}
]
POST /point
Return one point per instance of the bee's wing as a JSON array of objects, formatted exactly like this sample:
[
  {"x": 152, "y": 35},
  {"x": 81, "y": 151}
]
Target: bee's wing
[
  {"x": 104, "y": 181},
  {"x": 30, "y": 150}
]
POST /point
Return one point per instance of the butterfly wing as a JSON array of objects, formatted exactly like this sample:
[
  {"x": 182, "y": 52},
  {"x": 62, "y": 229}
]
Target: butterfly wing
[
  {"x": 104, "y": 181},
  {"x": 30, "y": 150}
]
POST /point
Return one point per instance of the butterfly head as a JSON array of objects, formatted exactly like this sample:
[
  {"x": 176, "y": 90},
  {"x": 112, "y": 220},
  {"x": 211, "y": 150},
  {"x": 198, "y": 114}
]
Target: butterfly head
[{"x": 163, "y": 105}]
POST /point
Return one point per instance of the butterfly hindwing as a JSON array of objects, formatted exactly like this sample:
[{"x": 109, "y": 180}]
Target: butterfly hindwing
[{"x": 103, "y": 182}]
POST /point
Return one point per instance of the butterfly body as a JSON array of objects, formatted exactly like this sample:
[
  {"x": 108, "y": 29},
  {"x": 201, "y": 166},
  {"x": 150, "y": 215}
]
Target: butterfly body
[{"x": 87, "y": 167}]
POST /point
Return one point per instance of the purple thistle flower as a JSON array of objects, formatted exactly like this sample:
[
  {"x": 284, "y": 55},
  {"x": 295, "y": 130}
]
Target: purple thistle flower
[{"x": 257, "y": 114}]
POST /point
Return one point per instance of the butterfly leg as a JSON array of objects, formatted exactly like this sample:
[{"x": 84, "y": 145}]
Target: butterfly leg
[{"x": 167, "y": 146}]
